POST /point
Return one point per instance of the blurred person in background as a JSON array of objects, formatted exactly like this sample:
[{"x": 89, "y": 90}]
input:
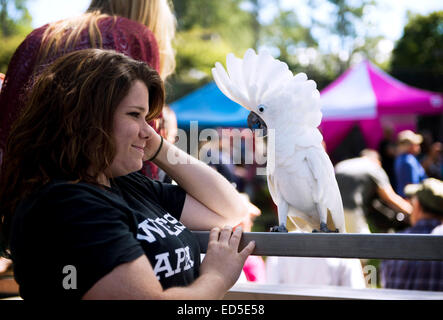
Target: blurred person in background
[
  {"x": 2, "y": 78},
  {"x": 167, "y": 127},
  {"x": 387, "y": 149},
  {"x": 408, "y": 169},
  {"x": 438, "y": 230},
  {"x": 222, "y": 159},
  {"x": 140, "y": 29},
  {"x": 427, "y": 214},
  {"x": 254, "y": 269},
  {"x": 5, "y": 264},
  {"x": 432, "y": 162},
  {"x": 361, "y": 180},
  {"x": 315, "y": 271}
]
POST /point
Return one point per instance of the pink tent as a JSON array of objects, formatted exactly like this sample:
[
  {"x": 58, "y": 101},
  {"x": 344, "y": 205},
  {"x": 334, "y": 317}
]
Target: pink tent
[{"x": 370, "y": 98}]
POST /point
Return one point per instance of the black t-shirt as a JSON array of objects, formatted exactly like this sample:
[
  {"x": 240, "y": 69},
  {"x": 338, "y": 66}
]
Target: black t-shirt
[{"x": 68, "y": 236}]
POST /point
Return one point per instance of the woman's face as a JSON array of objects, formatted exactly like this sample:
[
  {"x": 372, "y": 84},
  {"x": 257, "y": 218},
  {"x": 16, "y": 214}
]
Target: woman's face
[{"x": 131, "y": 131}]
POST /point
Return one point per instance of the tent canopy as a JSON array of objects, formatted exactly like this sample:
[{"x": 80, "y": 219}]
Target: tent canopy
[
  {"x": 364, "y": 95},
  {"x": 367, "y": 97},
  {"x": 210, "y": 107},
  {"x": 365, "y": 92}
]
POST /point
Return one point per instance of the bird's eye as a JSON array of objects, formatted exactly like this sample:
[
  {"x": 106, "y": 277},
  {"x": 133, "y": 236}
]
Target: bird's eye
[{"x": 261, "y": 108}]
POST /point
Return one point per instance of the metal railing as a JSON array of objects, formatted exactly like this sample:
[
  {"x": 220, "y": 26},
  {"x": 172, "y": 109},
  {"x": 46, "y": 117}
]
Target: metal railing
[
  {"x": 360, "y": 246},
  {"x": 338, "y": 245}
]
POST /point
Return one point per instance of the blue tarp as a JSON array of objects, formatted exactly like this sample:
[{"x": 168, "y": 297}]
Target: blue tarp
[{"x": 211, "y": 108}]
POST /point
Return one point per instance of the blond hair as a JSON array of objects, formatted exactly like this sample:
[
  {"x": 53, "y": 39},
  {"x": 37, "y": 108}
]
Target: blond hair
[{"x": 155, "y": 14}]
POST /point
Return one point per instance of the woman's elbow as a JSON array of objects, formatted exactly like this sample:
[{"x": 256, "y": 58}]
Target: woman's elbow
[{"x": 242, "y": 210}]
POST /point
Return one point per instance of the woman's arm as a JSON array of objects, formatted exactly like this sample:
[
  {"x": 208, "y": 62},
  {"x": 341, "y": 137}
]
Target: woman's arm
[
  {"x": 219, "y": 271},
  {"x": 212, "y": 200}
]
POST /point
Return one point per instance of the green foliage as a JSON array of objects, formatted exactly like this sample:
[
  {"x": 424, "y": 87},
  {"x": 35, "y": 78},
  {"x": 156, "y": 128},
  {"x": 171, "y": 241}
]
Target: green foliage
[
  {"x": 13, "y": 30},
  {"x": 225, "y": 18},
  {"x": 346, "y": 16},
  {"x": 418, "y": 56},
  {"x": 207, "y": 31},
  {"x": 199, "y": 47},
  {"x": 9, "y": 45},
  {"x": 198, "y": 51},
  {"x": 286, "y": 34}
]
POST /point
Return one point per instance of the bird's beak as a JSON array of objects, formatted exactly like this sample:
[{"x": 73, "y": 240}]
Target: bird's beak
[{"x": 255, "y": 122}]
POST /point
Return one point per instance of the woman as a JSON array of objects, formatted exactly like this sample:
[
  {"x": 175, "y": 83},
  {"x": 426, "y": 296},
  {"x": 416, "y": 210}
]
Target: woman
[
  {"x": 140, "y": 29},
  {"x": 72, "y": 201}
]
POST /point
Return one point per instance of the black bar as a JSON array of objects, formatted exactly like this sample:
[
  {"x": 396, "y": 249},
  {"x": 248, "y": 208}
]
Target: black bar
[{"x": 361, "y": 246}]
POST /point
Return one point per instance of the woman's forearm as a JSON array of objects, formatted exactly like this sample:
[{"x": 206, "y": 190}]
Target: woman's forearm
[
  {"x": 219, "y": 270},
  {"x": 201, "y": 182},
  {"x": 205, "y": 287}
]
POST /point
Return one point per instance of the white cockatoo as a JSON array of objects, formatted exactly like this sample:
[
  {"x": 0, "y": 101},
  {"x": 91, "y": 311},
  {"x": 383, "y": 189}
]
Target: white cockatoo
[{"x": 300, "y": 175}]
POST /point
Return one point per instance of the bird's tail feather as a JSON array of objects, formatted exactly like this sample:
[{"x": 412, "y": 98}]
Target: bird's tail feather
[{"x": 301, "y": 221}]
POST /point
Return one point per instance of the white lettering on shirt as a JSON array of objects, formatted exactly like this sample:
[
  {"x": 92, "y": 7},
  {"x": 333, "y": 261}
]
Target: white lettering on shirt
[
  {"x": 147, "y": 226},
  {"x": 150, "y": 227},
  {"x": 163, "y": 263}
]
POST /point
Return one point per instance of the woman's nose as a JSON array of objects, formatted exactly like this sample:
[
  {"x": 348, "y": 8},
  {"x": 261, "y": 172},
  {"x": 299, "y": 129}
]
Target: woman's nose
[{"x": 145, "y": 129}]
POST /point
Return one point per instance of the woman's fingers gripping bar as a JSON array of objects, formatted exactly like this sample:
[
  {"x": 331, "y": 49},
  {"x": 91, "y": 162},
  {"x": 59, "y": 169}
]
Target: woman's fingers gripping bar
[
  {"x": 225, "y": 235},
  {"x": 214, "y": 235}
]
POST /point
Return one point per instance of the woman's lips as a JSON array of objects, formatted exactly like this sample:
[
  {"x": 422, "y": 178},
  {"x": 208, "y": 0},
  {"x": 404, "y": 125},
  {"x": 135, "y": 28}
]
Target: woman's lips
[{"x": 140, "y": 149}]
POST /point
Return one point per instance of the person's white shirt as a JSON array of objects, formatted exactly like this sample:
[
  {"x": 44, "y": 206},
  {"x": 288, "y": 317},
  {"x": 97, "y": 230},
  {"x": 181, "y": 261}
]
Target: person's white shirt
[
  {"x": 438, "y": 230},
  {"x": 315, "y": 271}
]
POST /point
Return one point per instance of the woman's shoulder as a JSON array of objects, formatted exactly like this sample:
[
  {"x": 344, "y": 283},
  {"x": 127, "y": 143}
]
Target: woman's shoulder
[
  {"x": 123, "y": 22},
  {"x": 62, "y": 193},
  {"x": 25, "y": 54},
  {"x": 130, "y": 38},
  {"x": 127, "y": 26},
  {"x": 66, "y": 201},
  {"x": 36, "y": 34},
  {"x": 68, "y": 187}
]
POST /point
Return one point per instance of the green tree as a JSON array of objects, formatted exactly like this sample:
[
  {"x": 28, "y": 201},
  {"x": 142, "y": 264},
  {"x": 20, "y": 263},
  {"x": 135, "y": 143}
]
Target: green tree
[
  {"x": 417, "y": 58},
  {"x": 306, "y": 47},
  {"x": 9, "y": 25},
  {"x": 207, "y": 31},
  {"x": 226, "y": 18},
  {"x": 346, "y": 18},
  {"x": 286, "y": 34},
  {"x": 15, "y": 24}
]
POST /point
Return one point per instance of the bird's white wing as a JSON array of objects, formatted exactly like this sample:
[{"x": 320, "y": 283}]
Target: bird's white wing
[
  {"x": 325, "y": 190},
  {"x": 272, "y": 188}
]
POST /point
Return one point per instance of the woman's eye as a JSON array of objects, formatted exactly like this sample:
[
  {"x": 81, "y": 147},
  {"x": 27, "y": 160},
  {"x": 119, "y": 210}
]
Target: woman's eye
[{"x": 134, "y": 114}]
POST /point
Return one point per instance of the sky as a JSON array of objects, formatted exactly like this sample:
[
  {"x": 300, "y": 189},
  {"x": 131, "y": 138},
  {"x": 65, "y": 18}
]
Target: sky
[{"x": 389, "y": 18}]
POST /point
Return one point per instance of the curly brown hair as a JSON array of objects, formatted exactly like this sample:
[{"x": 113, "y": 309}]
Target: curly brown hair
[{"x": 65, "y": 129}]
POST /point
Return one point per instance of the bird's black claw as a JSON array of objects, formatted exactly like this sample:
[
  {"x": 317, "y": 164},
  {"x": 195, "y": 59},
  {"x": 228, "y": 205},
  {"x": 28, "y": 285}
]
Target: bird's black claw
[
  {"x": 324, "y": 229},
  {"x": 280, "y": 228}
]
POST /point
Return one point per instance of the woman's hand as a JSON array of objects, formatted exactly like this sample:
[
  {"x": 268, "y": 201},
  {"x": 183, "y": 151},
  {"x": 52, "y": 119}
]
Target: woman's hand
[
  {"x": 153, "y": 140},
  {"x": 222, "y": 260}
]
